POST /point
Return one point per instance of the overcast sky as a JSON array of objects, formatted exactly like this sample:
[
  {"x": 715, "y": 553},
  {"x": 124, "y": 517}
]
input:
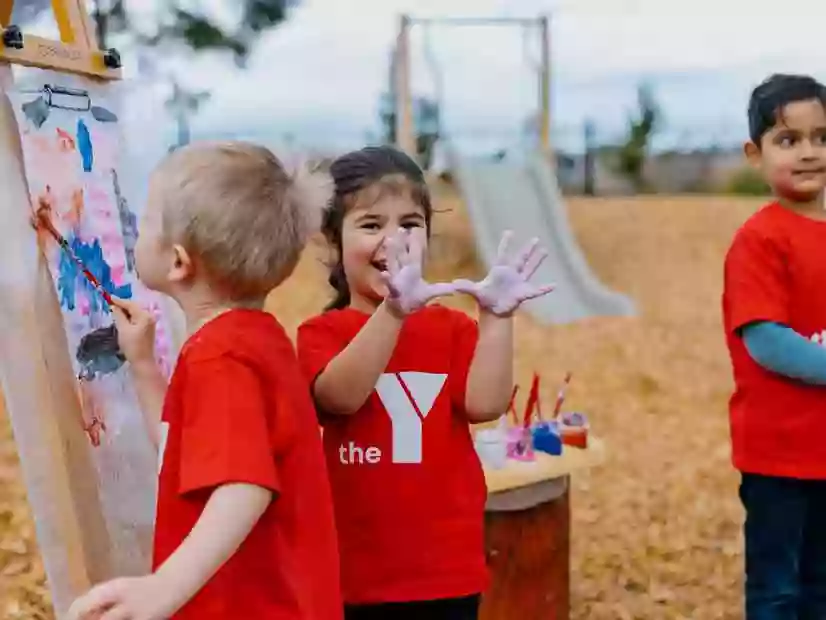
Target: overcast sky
[
  {"x": 319, "y": 76},
  {"x": 322, "y": 72}
]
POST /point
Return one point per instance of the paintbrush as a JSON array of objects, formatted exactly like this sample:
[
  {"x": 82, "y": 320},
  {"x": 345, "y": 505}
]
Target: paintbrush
[
  {"x": 533, "y": 399},
  {"x": 560, "y": 397},
  {"x": 512, "y": 404},
  {"x": 43, "y": 221},
  {"x": 538, "y": 401}
]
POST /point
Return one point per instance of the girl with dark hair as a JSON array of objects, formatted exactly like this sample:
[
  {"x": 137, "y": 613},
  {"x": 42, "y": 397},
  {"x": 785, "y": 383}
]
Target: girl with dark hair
[{"x": 396, "y": 382}]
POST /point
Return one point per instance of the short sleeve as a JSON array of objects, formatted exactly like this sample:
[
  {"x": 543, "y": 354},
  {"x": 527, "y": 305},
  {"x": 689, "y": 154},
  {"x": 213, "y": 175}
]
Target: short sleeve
[
  {"x": 226, "y": 436},
  {"x": 464, "y": 338},
  {"x": 317, "y": 343},
  {"x": 756, "y": 286}
]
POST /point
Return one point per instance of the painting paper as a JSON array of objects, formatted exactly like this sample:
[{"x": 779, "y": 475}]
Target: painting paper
[{"x": 72, "y": 159}]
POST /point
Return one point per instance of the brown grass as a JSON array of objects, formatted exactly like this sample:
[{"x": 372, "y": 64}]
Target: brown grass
[{"x": 657, "y": 529}]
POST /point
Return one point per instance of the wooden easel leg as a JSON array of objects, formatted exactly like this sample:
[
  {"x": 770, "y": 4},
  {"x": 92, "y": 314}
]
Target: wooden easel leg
[
  {"x": 73, "y": 23},
  {"x": 6, "y": 9}
]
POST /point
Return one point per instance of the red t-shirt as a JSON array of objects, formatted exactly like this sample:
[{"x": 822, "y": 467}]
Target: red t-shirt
[
  {"x": 408, "y": 488},
  {"x": 775, "y": 271},
  {"x": 238, "y": 409}
]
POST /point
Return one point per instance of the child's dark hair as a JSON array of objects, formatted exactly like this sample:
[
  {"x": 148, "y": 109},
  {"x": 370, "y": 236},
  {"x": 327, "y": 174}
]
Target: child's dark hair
[
  {"x": 367, "y": 174},
  {"x": 775, "y": 93}
]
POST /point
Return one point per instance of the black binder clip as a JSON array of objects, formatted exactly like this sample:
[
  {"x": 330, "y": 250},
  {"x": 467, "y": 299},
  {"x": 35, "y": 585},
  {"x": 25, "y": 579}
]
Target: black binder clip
[
  {"x": 111, "y": 59},
  {"x": 13, "y": 37}
]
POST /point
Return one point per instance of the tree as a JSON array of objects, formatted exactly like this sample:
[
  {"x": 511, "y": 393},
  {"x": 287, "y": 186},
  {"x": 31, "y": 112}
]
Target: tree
[
  {"x": 197, "y": 29},
  {"x": 632, "y": 154},
  {"x": 428, "y": 130},
  {"x": 426, "y": 125},
  {"x": 181, "y": 103},
  {"x": 387, "y": 117}
]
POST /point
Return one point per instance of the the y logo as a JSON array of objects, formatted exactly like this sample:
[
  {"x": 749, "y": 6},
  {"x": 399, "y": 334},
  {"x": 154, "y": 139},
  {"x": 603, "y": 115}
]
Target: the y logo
[{"x": 408, "y": 397}]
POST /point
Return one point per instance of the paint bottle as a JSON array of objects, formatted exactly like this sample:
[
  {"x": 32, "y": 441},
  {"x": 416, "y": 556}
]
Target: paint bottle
[
  {"x": 574, "y": 429},
  {"x": 520, "y": 444},
  {"x": 547, "y": 438},
  {"x": 491, "y": 445}
]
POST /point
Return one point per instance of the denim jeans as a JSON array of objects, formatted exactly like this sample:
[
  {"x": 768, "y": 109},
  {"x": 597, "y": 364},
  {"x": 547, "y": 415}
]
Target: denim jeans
[{"x": 785, "y": 534}]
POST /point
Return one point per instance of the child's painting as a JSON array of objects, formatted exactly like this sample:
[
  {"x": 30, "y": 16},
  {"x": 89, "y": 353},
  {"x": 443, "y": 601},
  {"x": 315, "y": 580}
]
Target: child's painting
[{"x": 71, "y": 146}]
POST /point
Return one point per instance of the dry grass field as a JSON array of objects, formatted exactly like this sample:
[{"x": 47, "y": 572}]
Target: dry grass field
[{"x": 656, "y": 530}]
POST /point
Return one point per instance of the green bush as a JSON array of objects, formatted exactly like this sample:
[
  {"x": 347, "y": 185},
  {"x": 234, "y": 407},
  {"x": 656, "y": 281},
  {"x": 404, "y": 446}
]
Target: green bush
[{"x": 747, "y": 182}]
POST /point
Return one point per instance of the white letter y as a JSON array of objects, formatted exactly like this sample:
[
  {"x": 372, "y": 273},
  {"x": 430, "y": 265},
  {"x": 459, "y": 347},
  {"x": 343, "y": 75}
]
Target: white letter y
[{"x": 408, "y": 397}]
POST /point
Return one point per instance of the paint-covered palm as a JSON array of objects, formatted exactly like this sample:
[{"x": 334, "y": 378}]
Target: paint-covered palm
[
  {"x": 508, "y": 285},
  {"x": 407, "y": 289}
]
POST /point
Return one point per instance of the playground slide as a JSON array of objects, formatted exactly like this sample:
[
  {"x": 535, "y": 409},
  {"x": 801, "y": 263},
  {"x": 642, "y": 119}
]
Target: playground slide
[{"x": 523, "y": 196}]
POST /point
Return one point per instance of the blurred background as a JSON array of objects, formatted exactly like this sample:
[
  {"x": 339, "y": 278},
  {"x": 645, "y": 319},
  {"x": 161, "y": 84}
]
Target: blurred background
[
  {"x": 314, "y": 76},
  {"x": 647, "y": 119}
]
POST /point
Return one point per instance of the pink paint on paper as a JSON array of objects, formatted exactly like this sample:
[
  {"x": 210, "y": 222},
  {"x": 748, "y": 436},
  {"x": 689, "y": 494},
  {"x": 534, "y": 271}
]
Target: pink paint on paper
[
  {"x": 117, "y": 273},
  {"x": 106, "y": 147},
  {"x": 110, "y": 240},
  {"x": 98, "y": 195}
]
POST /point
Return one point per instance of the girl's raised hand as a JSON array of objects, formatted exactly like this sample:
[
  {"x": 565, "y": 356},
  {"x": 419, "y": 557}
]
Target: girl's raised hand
[
  {"x": 407, "y": 290},
  {"x": 507, "y": 284}
]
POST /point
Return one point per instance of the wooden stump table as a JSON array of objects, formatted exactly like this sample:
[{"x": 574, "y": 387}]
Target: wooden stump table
[{"x": 528, "y": 535}]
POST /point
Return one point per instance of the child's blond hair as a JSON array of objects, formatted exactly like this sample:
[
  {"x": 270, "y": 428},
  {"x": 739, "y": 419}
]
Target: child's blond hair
[{"x": 235, "y": 208}]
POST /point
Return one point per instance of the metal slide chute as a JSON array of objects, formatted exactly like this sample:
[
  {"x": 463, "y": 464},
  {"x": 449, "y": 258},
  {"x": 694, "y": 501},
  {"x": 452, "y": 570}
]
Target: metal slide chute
[
  {"x": 523, "y": 196},
  {"x": 513, "y": 194}
]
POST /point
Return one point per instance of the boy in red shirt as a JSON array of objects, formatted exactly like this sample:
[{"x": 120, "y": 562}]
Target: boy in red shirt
[
  {"x": 774, "y": 307},
  {"x": 397, "y": 383},
  {"x": 244, "y": 525}
]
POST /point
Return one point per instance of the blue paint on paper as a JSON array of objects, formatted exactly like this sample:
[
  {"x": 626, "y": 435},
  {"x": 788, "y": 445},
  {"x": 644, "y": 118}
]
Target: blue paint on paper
[
  {"x": 72, "y": 282},
  {"x": 84, "y": 145}
]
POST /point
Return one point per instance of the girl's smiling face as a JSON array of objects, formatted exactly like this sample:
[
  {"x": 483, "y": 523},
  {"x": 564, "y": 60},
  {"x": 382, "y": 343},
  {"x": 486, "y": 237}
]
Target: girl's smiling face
[{"x": 364, "y": 234}]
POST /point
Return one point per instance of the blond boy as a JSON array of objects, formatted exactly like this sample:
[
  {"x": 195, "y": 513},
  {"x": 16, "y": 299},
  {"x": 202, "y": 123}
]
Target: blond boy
[{"x": 244, "y": 520}]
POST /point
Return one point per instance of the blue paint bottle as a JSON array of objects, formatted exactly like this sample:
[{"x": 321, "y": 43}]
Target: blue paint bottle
[{"x": 546, "y": 438}]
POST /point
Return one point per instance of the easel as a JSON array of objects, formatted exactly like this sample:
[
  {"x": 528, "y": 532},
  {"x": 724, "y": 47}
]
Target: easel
[
  {"x": 76, "y": 52},
  {"x": 38, "y": 382}
]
